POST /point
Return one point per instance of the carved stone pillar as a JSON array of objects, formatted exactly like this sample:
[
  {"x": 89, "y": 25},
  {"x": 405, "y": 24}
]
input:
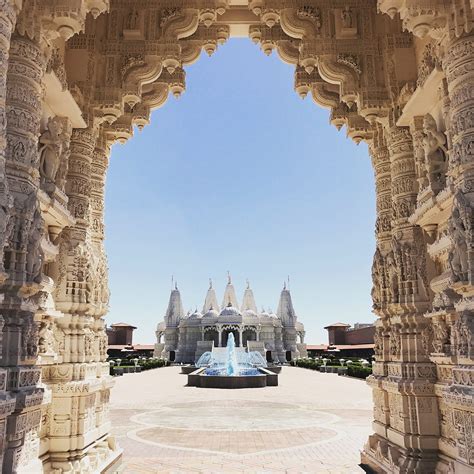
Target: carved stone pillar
[
  {"x": 458, "y": 347},
  {"x": 23, "y": 256},
  {"x": 8, "y": 14},
  {"x": 406, "y": 411},
  {"x": 81, "y": 384}
]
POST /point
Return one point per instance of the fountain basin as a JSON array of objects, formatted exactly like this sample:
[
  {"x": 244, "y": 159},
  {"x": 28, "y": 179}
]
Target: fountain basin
[
  {"x": 187, "y": 369},
  {"x": 264, "y": 378}
]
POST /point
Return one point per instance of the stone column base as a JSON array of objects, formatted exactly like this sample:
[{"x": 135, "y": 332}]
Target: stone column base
[
  {"x": 104, "y": 456},
  {"x": 381, "y": 456}
]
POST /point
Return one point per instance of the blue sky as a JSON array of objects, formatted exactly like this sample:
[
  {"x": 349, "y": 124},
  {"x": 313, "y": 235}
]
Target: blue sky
[{"x": 240, "y": 174}]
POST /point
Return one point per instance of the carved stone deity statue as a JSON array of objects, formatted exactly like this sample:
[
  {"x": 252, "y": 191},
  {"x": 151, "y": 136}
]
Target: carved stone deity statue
[
  {"x": 394, "y": 344},
  {"x": 377, "y": 269},
  {"x": 435, "y": 153},
  {"x": 464, "y": 334},
  {"x": 347, "y": 18},
  {"x": 51, "y": 150},
  {"x": 6, "y": 222},
  {"x": 459, "y": 233},
  {"x": 46, "y": 338},
  {"x": 65, "y": 137},
  {"x": 441, "y": 335},
  {"x": 378, "y": 342},
  {"x": 34, "y": 255},
  {"x": 131, "y": 22},
  {"x": 392, "y": 273}
]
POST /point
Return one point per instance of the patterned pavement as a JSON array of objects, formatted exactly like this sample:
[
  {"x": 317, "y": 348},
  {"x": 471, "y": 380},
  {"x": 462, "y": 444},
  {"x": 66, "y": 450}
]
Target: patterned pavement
[{"x": 310, "y": 423}]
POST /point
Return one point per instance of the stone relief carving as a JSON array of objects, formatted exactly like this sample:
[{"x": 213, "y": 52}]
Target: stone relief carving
[
  {"x": 460, "y": 232},
  {"x": 435, "y": 153},
  {"x": 51, "y": 150},
  {"x": 46, "y": 338}
]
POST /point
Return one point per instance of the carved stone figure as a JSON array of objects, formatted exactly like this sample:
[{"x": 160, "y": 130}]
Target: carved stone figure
[
  {"x": 34, "y": 256},
  {"x": 132, "y": 20},
  {"x": 347, "y": 17},
  {"x": 464, "y": 334},
  {"x": 394, "y": 342},
  {"x": 433, "y": 146},
  {"x": 6, "y": 223},
  {"x": 51, "y": 144},
  {"x": 46, "y": 338},
  {"x": 458, "y": 257},
  {"x": 441, "y": 335},
  {"x": 378, "y": 342},
  {"x": 393, "y": 276}
]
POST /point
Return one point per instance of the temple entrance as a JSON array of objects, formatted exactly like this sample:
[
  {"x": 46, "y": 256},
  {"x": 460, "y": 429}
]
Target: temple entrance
[
  {"x": 172, "y": 356},
  {"x": 268, "y": 356},
  {"x": 288, "y": 356},
  {"x": 225, "y": 337},
  {"x": 248, "y": 335},
  {"x": 212, "y": 335}
]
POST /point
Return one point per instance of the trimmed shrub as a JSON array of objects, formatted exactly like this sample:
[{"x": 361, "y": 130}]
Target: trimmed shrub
[{"x": 359, "y": 371}]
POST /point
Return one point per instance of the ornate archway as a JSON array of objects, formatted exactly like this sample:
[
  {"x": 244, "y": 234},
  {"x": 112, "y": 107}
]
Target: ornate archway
[{"x": 77, "y": 76}]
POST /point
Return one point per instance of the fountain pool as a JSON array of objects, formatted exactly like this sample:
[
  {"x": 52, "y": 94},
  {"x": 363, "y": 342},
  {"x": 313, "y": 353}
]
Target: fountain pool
[{"x": 231, "y": 367}]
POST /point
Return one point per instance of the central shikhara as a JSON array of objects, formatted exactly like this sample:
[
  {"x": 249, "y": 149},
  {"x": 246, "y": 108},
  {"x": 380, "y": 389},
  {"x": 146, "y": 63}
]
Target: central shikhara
[{"x": 278, "y": 337}]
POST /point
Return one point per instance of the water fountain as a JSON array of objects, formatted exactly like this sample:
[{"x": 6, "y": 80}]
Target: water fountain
[{"x": 232, "y": 367}]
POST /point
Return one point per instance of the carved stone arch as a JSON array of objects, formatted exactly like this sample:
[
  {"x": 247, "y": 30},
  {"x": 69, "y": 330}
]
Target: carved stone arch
[
  {"x": 154, "y": 97},
  {"x": 301, "y": 23},
  {"x": 325, "y": 94},
  {"x": 138, "y": 76},
  {"x": 190, "y": 52},
  {"x": 179, "y": 23},
  {"x": 334, "y": 72},
  {"x": 288, "y": 51}
]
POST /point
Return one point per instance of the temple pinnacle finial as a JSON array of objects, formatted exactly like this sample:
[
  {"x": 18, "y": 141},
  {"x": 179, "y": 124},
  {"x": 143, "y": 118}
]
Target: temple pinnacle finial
[
  {"x": 176, "y": 284},
  {"x": 172, "y": 281},
  {"x": 284, "y": 285},
  {"x": 288, "y": 280},
  {"x": 248, "y": 284},
  {"x": 229, "y": 278},
  {"x": 210, "y": 283}
]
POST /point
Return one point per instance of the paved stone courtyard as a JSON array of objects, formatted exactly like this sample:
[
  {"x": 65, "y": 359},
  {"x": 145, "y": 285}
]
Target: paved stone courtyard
[{"x": 312, "y": 422}]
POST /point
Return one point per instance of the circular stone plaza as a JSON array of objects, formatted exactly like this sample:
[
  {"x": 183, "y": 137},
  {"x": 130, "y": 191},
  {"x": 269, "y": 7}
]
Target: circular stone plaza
[{"x": 312, "y": 422}]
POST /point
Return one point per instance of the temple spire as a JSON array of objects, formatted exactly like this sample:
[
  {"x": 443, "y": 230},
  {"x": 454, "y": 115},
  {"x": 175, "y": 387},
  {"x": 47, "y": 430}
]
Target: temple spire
[
  {"x": 175, "y": 311},
  {"x": 248, "y": 301},
  {"x": 230, "y": 299},
  {"x": 286, "y": 312},
  {"x": 211, "y": 299}
]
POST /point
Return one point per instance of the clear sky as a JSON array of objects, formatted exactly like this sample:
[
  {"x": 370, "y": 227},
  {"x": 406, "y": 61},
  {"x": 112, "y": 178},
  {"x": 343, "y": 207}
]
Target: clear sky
[{"x": 240, "y": 174}]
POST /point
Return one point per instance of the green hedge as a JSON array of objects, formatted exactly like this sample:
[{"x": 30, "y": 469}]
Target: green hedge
[
  {"x": 153, "y": 364},
  {"x": 145, "y": 364},
  {"x": 359, "y": 371},
  {"x": 356, "y": 369}
]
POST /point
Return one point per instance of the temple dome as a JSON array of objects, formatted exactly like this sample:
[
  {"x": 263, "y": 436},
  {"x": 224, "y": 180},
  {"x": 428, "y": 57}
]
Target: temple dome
[
  {"x": 229, "y": 311},
  {"x": 196, "y": 315},
  {"x": 212, "y": 313},
  {"x": 272, "y": 315},
  {"x": 249, "y": 314}
]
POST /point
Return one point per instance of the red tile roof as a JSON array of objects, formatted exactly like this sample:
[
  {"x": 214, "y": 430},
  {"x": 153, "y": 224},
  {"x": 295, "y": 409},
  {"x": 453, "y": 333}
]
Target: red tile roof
[
  {"x": 338, "y": 325},
  {"x": 122, "y": 325},
  {"x": 325, "y": 347}
]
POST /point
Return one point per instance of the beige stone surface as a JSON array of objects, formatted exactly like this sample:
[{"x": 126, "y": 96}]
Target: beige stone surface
[{"x": 311, "y": 422}]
